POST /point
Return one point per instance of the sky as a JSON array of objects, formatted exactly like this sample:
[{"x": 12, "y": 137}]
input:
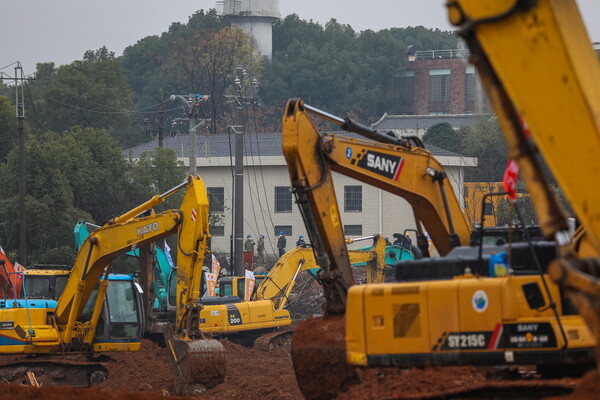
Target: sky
[{"x": 61, "y": 31}]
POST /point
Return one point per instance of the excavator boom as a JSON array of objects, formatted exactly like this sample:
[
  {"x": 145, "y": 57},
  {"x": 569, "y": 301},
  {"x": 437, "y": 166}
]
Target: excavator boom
[{"x": 400, "y": 166}]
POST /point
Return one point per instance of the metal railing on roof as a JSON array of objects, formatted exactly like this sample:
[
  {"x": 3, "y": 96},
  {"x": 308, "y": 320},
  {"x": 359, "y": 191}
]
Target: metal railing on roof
[{"x": 441, "y": 54}]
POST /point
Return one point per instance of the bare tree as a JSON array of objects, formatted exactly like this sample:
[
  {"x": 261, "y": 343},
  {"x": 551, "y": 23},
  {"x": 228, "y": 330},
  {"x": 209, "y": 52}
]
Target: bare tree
[{"x": 205, "y": 64}]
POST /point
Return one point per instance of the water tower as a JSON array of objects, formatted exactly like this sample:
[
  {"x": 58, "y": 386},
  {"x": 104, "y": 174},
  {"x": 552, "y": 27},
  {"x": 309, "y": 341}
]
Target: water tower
[{"x": 255, "y": 17}]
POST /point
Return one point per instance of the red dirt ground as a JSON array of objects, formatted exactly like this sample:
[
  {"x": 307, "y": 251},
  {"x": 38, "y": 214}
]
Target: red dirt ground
[{"x": 255, "y": 374}]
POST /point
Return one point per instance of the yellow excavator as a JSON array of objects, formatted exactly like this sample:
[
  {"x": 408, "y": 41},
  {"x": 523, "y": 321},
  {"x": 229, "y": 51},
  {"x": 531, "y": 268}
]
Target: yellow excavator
[
  {"x": 71, "y": 326},
  {"x": 227, "y": 314},
  {"x": 256, "y": 322},
  {"x": 537, "y": 65},
  {"x": 449, "y": 311}
]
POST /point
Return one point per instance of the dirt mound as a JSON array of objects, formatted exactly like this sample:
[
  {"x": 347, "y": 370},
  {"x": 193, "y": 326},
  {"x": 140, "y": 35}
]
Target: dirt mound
[
  {"x": 588, "y": 388},
  {"x": 319, "y": 351},
  {"x": 147, "y": 370},
  {"x": 253, "y": 374},
  {"x": 17, "y": 392}
]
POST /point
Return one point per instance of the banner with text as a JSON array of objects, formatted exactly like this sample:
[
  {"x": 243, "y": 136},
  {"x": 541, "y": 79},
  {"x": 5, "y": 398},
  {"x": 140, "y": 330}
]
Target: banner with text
[{"x": 250, "y": 282}]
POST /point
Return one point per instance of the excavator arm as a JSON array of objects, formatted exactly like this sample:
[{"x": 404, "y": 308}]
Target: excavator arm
[
  {"x": 281, "y": 279},
  {"x": 94, "y": 257},
  {"x": 118, "y": 236},
  {"x": 536, "y": 62},
  {"x": 398, "y": 166},
  {"x": 198, "y": 362}
]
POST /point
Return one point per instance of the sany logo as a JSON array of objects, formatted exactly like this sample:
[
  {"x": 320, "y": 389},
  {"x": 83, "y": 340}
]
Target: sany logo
[
  {"x": 142, "y": 230},
  {"x": 382, "y": 164}
]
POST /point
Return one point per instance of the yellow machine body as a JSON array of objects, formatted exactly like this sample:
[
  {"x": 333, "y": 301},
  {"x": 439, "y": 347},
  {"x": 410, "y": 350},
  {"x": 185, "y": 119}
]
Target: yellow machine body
[
  {"x": 463, "y": 321},
  {"x": 243, "y": 316}
]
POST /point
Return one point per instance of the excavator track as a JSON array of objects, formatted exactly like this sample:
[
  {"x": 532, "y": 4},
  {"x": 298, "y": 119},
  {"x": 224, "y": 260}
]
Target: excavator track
[
  {"x": 54, "y": 370},
  {"x": 278, "y": 339}
]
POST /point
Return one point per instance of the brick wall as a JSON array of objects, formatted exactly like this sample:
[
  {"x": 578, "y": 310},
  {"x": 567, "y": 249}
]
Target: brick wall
[{"x": 421, "y": 68}]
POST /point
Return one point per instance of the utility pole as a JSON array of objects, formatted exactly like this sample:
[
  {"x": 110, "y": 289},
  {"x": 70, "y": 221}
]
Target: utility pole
[
  {"x": 192, "y": 102},
  {"x": 238, "y": 201},
  {"x": 240, "y": 101},
  {"x": 161, "y": 121},
  {"x": 20, "y": 110}
]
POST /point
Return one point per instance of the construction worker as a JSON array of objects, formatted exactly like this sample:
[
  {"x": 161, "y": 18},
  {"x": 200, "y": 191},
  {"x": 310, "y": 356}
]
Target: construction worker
[
  {"x": 281, "y": 243},
  {"x": 260, "y": 249},
  {"x": 248, "y": 252},
  {"x": 300, "y": 242}
]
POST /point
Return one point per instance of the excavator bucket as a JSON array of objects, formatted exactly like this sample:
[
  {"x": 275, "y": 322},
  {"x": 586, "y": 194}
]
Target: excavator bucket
[{"x": 199, "y": 364}]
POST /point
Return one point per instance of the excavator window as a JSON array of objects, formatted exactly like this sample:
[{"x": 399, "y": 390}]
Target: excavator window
[
  {"x": 61, "y": 283},
  {"x": 122, "y": 309},
  {"x": 37, "y": 287},
  {"x": 172, "y": 289}
]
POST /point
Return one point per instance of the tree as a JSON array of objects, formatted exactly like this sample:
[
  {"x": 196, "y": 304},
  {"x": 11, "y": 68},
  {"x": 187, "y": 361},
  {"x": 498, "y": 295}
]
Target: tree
[
  {"x": 426, "y": 38},
  {"x": 206, "y": 64},
  {"x": 49, "y": 202},
  {"x": 357, "y": 79},
  {"x": 485, "y": 141},
  {"x": 156, "y": 172},
  {"x": 92, "y": 92},
  {"x": 442, "y": 135},
  {"x": 8, "y": 131},
  {"x": 506, "y": 213}
]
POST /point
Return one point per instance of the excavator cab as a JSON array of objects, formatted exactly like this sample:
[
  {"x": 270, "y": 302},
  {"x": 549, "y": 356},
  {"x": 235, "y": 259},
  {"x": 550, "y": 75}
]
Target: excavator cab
[
  {"x": 235, "y": 285},
  {"x": 122, "y": 318},
  {"x": 45, "y": 281},
  {"x": 120, "y": 325}
]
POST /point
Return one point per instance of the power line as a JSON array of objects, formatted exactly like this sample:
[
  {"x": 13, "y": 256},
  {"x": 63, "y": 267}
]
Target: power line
[{"x": 121, "y": 111}]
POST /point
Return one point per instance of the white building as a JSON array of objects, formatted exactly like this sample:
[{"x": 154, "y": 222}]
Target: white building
[{"x": 268, "y": 203}]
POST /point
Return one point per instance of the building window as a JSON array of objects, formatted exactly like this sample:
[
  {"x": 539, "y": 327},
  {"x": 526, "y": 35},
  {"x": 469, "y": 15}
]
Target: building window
[
  {"x": 216, "y": 198},
  {"x": 353, "y": 230},
  {"x": 405, "y": 84},
  {"x": 286, "y": 229},
  {"x": 470, "y": 87},
  {"x": 217, "y": 230},
  {"x": 439, "y": 85},
  {"x": 352, "y": 198},
  {"x": 283, "y": 199}
]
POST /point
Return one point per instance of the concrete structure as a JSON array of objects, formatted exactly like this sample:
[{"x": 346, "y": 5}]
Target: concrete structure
[
  {"x": 255, "y": 17},
  {"x": 269, "y": 205}
]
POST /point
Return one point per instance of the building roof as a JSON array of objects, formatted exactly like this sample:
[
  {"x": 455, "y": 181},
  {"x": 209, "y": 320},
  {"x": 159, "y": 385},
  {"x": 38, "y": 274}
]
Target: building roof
[
  {"x": 255, "y": 145},
  {"x": 220, "y": 145},
  {"x": 426, "y": 121}
]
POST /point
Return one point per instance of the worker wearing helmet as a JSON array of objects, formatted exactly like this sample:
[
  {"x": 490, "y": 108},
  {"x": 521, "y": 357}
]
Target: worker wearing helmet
[
  {"x": 260, "y": 249},
  {"x": 300, "y": 242},
  {"x": 248, "y": 252},
  {"x": 281, "y": 243}
]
